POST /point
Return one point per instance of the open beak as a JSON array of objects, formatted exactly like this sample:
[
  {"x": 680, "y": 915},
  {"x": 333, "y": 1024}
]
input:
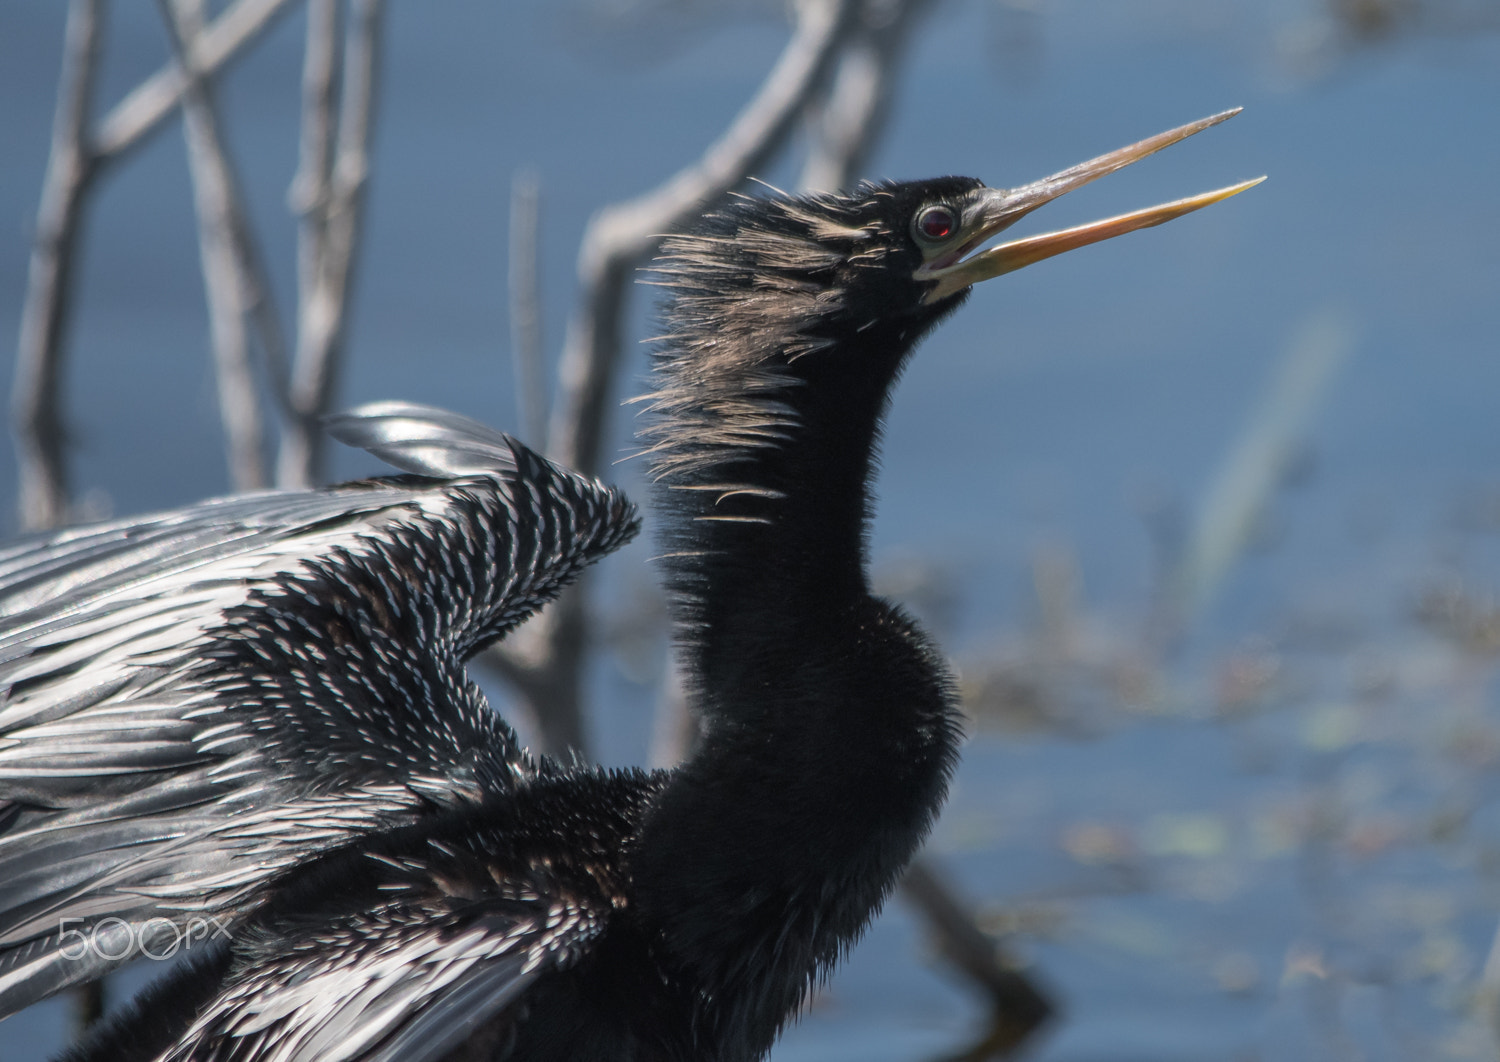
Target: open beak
[{"x": 994, "y": 209}]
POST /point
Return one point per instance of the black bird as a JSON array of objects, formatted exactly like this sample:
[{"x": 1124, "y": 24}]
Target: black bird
[{"x": 426, "y": 891}]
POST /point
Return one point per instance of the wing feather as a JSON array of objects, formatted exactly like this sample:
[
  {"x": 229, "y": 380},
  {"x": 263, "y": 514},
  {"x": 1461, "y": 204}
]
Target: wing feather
[
  {"x": 402, "y": 960},
  {"x": 192, "y": 701}
]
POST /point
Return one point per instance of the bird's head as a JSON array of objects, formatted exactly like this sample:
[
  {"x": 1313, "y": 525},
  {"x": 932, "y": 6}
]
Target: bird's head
[{"x": 773, "y": 296}]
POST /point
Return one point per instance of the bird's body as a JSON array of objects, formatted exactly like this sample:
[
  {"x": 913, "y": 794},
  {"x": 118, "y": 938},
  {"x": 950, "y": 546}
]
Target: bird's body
[{"x": 529, "y": 910}]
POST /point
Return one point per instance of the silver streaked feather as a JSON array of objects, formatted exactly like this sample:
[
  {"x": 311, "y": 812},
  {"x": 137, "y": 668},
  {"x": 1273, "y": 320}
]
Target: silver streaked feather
[{"x": 192, "y": 701}]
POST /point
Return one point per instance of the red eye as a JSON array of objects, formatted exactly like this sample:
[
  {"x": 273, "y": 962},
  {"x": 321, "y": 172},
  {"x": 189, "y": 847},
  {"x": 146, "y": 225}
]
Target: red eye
[{"x": 936, "y": 223}]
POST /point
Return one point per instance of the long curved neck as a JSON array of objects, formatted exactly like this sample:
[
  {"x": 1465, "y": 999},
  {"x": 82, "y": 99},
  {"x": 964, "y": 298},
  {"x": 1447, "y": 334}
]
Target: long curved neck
[
  {"x": 830, "y": 721},
  {"x": 756, "y": 565}
]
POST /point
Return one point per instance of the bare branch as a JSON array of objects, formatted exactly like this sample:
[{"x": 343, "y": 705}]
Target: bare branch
[
  {"x": 525, "y": 307},
  {"x": 337, "y": 214},
  {"x": 677, "y": 730},
  {"x": 76, "y": 159},
  {"x": 142, "y": 112},
  {"x": 1020, "y": 1007},
  {"x": 309, "y": 194},
  {"x": 229, "y": 260},
  {"x": 621, "y": 235},
  {"x": 617, "y": 239},
  {"x": 846, "y": 123},
  {"x": 543, "y": 662},
  {"x": 70, "y": 169}
]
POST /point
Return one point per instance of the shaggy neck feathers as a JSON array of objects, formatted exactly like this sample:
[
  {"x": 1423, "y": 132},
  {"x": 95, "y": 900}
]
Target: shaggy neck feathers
[{"x": 830, "y": 721}]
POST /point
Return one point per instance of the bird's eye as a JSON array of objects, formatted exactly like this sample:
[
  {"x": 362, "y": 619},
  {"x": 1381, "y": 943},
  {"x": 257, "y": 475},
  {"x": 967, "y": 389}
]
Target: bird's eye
[{"x": 935, "y": 223}]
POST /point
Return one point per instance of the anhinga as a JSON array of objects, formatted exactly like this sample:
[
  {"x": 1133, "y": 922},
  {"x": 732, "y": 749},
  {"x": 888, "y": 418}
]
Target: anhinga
[{"x": 253, "y": 712}]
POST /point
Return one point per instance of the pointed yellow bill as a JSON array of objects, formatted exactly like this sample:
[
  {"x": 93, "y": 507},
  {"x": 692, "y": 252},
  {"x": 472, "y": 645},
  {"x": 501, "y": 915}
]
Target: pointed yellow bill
[{"x": 991, "y": 210}]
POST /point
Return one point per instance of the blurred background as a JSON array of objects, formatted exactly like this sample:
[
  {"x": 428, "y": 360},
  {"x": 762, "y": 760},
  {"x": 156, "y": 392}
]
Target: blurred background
[{"x": 1208, "y": 517}]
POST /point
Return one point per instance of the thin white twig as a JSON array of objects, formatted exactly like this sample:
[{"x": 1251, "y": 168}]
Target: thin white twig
[
  {"x": 230, "y": 283},
  {"x": 308, "y": 195},
  {"x": 324, "y": 296},
  {"x": 525, "y": 307},
  {"x": 38, "y": 381},
  {"x": 76, "y": 159},
  {"x": 676, "y": 730},
  {"x": 142, "y": 112},
  {"x": 846, "y": 122}
]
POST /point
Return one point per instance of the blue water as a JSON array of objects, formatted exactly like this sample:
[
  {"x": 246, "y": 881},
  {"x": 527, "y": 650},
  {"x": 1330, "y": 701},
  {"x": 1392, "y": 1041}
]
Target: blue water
[{"x": 1057, "y": 410}]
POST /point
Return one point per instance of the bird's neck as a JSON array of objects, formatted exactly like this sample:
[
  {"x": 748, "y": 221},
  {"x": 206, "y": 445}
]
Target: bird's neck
[
  {"x": 774, "y": 528},
  {"x": 830, "y": 729}
]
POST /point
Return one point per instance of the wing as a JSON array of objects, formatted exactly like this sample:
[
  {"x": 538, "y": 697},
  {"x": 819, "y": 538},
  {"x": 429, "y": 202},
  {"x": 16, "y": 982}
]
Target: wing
[
  {"x": 193, "y": 701},
  {"x": 403, "y": 946},
  {"x": 408, "y": 982}
]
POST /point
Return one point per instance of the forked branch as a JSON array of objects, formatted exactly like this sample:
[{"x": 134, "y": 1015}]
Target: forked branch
[
  {"x": 329, "y": 193},
  {"x": 237, "y": 285},
  {"x": 78, "y": 155},
  {"x": 70, "y": 169}
]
